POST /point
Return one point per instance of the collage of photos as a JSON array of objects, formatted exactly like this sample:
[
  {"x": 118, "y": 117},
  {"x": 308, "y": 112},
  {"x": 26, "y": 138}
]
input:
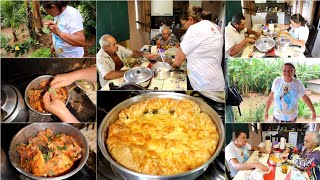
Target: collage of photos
[{"x": 160, "y": 89}]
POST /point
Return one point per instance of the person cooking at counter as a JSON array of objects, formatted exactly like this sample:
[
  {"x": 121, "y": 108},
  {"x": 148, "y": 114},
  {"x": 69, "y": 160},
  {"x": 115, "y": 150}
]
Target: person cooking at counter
[
  {"x": 235, "y": 36},
  {"x": 237, "y": 153},
  {"x": 57, "y": 107},
  {"x": 202, "y": 45},
  {"x": 299, "y": 32},
  {"x": 309, "y": 150},
  {"x": 166, "y": 39},
  {"x": 111, "y": 58}
]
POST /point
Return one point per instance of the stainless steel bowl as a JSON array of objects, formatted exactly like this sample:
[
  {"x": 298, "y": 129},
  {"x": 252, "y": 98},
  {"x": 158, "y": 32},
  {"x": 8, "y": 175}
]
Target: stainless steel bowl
[
  {"x": 264, "y": 44},
  {"x": 35, "y": 84},
  {"x": 112, "y": 116},
  {"x": 31, "y": 131},
  {"x": 161, "y": 70}
]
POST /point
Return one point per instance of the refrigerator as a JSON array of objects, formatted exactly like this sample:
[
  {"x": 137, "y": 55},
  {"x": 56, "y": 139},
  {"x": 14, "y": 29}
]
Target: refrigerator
[{"x": 316, "y": 47}]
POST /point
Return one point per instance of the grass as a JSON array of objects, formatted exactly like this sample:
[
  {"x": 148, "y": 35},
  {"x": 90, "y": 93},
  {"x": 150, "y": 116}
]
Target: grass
[{"x": 256, "y": 113}]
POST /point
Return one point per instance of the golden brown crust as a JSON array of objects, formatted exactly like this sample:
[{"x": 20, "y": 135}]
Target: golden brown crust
[{"x": 162, "y": 136}]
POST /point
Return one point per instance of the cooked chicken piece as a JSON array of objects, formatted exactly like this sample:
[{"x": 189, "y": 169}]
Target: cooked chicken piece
[{"x": 48, "y": 154}]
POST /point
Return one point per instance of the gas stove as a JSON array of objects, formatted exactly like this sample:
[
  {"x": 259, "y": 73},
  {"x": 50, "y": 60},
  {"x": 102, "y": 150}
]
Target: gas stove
[
  {"x": 8, "y": 130},
  {"x": 108, "y": 100}
]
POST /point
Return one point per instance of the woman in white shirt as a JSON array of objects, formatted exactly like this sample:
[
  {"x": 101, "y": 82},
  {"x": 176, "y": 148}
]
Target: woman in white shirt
[
  {"x": 237, "y": 154},
  {"x": 299, "y": 32},
  {"x": 68, "y": 37},
  {"x": 202, "y": 45},
  {"x": 285, "y": 93}
]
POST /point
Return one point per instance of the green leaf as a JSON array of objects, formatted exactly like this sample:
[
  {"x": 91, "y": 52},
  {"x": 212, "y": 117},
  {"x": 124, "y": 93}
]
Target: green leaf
[
  {"x": 51, "y": 173},
  {"x": 46, "y": 29}
]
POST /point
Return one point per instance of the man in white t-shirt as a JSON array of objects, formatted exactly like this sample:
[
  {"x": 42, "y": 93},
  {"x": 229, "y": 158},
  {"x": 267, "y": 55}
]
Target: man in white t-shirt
[
  {"x": 202, "y": 46},
  {"x": 111, "y": 58},
  {"x": 235, "y": 39},
  {"x": 67, "y": 30}
]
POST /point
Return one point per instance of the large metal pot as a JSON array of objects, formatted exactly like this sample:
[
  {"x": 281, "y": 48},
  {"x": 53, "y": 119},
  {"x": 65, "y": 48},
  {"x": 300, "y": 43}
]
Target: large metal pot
[
  {"x": 31, "y": 131},
  {"x": 283, "y": 44},
  {"x": 35, "y": 84},
  {"x": 264, "y": 44},
  {"x": 161, "y": 70},
  {"x": 13, "y": 108},
  {"x": 112, "y": 116},
  {"x": 138, "y": 75}
]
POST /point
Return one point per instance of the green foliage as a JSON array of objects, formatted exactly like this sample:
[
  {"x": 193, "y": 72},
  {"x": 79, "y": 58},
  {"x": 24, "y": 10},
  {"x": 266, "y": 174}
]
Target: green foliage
[
  {"x": 48, "y": 18},
  {"x": 88, "y": 12},
  {"x": 22, "y": 48},
  {"x": 13, "y": 13},
  {"x": 255, "y": 113},
  {"x": 42, "y": 52},
  {"x": 92, "y": 50},
  {"x": 257, "y": 75},
  {"x": 4, "y": 41}
]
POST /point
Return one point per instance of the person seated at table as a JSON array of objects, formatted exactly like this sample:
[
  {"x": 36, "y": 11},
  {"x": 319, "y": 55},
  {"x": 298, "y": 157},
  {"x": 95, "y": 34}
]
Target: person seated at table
[
  {"x": 237, "y": 153},
  {"x": 166, "y": 39},
  {"x": 111, "y": 58},
  {"x": 310, "y": 149},
  {"x": 235, "y": 36},
  {"x": 299, "y": 32}
]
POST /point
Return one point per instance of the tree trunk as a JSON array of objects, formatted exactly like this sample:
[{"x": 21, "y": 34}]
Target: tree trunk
[
  {"x": 37, "y": 20},
  {"x": 30, "y": 26},
  {"x": 15, "y": 38}
]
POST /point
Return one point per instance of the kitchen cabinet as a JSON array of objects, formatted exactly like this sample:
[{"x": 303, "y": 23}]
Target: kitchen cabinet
[
  {"x": 161, "y": 8},
  {"x": 281, "y": 17},
  {"x": 259, "y": 18}
]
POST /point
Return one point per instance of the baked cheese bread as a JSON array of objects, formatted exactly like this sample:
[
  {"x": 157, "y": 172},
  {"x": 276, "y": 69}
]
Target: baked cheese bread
[{"x": 162, "y": 136}]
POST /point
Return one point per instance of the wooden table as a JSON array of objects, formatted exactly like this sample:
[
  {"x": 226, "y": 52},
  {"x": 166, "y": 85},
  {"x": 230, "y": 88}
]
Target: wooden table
[
  {"x": 176, "y": 81},
  {"x": 275, "y": 173},
  {"x": 293, "y": 52}
]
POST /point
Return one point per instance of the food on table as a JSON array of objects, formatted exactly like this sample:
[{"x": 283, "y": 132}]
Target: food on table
[
  {"x": 49, "y": 154},
  {"x": 273, "y": 159},
  {"x": 162, "y": 136},
  {"x": 35, "y": 96}
]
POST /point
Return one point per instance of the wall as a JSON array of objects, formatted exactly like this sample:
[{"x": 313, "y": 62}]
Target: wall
[
  {"x": 138, "y": 38},
  {"x": 247, "y": 16},
  {"x": 255, "y": 139},
  {"x": 308, "y": 11}
]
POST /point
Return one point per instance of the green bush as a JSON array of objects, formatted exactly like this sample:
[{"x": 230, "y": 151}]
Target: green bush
[
  {"x": 4, "y": 41},
  {"x": 13, "y": 13},
  {"x": 257, "y": 75},
  {"x": 92, "y": 50},
  {"x": 48, "y": 18},
  {"x": 42, "y": 52}
]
